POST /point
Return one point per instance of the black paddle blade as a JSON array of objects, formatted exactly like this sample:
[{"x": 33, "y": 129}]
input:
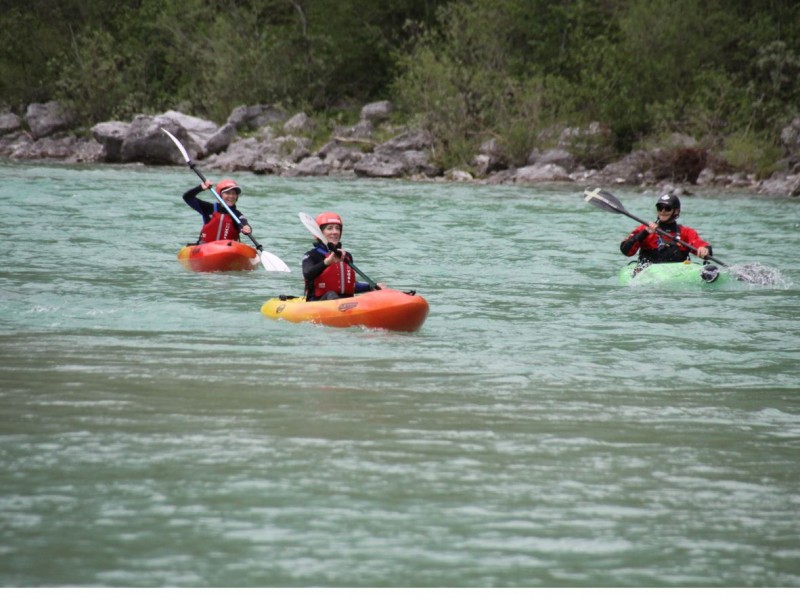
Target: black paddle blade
[{"x": 604, "y": 200}]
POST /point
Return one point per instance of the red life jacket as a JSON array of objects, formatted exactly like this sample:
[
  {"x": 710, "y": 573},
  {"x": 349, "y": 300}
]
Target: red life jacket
[
  {"x": 339, "y": 278},
  {"x": 219, "y": 227}
]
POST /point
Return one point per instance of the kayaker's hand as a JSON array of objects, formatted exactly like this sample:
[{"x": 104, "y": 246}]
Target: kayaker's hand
[
  {"x": 651, "y": 227},
  {"x": 247, "y": 230},
  {"x": 331, "y": 259},
  {"x": 380, "y": 286},
  {"x": 206, "y": 184},
  {"x": 702, "y": 252}
]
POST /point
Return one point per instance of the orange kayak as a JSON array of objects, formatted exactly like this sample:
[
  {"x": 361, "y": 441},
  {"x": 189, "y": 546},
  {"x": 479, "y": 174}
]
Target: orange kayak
[
  {"x": 382, "y": 309},
  {"x": 221, "y": 255}
]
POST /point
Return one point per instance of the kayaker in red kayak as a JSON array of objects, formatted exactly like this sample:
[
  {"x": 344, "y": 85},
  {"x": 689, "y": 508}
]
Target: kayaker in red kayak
[
  {"x": 217, "y": 223},
  {"x": 654, "y": 247},
  {"x": 326, "y": 272}
]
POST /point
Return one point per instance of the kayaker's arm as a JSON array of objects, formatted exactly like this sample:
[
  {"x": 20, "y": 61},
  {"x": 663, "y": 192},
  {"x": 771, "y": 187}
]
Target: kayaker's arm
[
  {"x": 245, "y": 226},
  {"x": 313, "y": 265},
  {"x": 630, "y": 244},
  {"x": 206, "y": 209},
  {"x": 691, "y": 237}
]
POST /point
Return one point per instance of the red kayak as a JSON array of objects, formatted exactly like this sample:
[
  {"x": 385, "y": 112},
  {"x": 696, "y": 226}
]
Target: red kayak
[
  {"x": 382, "y": 309},
  {"x": 221, "y": 255}
]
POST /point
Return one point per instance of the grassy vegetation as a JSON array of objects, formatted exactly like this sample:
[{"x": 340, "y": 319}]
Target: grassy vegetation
[{"x": 725, "y": 72}]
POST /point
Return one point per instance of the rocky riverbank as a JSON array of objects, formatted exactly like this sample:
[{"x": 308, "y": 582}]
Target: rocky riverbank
[{"x": 266, "y": 140}]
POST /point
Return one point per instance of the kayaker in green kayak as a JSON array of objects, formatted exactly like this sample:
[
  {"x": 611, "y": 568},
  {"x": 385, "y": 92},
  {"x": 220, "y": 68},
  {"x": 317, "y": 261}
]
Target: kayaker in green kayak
[{"x": 655, "y": 247}]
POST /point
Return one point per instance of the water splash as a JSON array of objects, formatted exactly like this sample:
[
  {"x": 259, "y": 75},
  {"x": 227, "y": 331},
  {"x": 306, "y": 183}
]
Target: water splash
[{"x": 758, "y": 274}]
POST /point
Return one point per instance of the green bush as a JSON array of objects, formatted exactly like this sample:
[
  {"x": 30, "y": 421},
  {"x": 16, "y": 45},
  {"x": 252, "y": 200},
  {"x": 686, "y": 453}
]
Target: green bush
[{"x": 752, "y": 153}]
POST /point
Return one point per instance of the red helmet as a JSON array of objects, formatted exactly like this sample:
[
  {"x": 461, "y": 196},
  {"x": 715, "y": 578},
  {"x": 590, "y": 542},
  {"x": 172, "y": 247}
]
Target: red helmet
[
  {"x": 328, "y": 218},
  {"x": 226, "y": 185}
]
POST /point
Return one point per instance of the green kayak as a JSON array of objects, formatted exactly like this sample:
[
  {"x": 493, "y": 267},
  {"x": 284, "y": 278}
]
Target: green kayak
[{"x": 680, "y": 274}]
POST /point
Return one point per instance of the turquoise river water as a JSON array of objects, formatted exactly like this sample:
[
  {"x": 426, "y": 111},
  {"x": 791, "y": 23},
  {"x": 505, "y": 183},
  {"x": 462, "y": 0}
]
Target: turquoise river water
[{"x": 546, "y": 427}]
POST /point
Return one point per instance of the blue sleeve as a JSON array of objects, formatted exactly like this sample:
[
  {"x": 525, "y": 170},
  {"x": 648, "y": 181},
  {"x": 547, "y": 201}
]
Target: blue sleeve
[{"x": 362, "y": 287}]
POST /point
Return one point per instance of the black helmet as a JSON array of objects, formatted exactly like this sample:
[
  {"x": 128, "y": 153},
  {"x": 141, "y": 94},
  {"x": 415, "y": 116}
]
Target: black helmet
[{"x": 671, "y": 201}]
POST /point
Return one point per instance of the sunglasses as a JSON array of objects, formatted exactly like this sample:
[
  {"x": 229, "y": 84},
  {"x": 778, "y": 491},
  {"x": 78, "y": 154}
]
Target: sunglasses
[{"x": 663, "y": 208}]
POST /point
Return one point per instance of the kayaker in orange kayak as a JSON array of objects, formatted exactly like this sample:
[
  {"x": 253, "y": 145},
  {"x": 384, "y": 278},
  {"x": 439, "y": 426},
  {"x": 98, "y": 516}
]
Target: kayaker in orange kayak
[
  {"x": 217, "y": 223},
  {"x": 326, "y": 270},
  {"x": 654, "y": 247}
]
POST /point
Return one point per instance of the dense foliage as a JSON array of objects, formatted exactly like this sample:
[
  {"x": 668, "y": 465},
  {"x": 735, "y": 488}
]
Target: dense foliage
[{"x": 725, "y": 71}]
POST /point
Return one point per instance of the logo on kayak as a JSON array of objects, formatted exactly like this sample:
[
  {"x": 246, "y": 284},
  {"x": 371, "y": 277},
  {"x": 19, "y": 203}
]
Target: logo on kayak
[
  {"x": 345, "y": 306},
  {"x": 195, "y": 251},
  {"x": 280, "y": 308}
]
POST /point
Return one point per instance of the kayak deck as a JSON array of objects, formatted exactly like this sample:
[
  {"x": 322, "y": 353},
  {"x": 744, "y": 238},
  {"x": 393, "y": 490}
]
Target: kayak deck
[
  {"x": 380, "y": 309},
  {"x": 679, "y": 274},
  {"x": 220, "y": 255}
]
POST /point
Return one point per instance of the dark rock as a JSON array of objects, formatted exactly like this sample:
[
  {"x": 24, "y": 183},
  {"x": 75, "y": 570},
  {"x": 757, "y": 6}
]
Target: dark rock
[
  {"x": 379, "y": 165},
  {"x": 111, "y": 135},
  {"x": 540, "y": 173},
  {"x": 47, "y": 119},
  {"x": 221, "y": 139},
  {"x": 557, "y": 156},
  {"x": 146, "y": 142},
  {"x": 9, "y": 123},
  {"x": 361, "y": 130},
  {"x": 410, "y": 140},
  {"x": 69, "y": 148},
  {"x": 245, "y": 118},
  {"x": 310, "y": 166}
]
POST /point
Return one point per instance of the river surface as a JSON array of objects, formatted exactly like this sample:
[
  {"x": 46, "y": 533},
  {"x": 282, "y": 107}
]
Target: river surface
[{"x": 546, "y": 427}]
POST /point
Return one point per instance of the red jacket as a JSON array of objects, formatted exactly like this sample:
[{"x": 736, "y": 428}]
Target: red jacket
[{"x": 655, "y": 248}]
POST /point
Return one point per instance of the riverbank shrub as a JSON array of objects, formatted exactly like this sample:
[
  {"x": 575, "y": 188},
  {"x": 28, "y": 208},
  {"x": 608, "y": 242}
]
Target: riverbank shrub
[{"x": 467, "y": 70}]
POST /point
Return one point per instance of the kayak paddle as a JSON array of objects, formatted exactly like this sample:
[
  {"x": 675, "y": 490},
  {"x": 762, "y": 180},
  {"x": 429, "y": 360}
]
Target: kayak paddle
[
  {"x": 314, "y": 229},
  {"x": 750, "y": 273},
  {"x": 267, "y": 259}
]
